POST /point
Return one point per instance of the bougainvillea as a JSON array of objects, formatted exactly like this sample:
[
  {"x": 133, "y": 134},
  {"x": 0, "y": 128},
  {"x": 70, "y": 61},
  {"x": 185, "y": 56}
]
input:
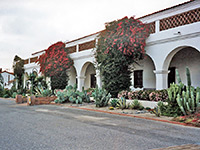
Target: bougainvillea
[
  {"x": 127, "y": 35},
  {"x": 55, "y": 60},
  {"x": 119, "y": 45}
]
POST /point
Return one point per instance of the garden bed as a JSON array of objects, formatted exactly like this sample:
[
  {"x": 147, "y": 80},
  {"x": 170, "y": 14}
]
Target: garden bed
[{"x": 126, "y": 112}]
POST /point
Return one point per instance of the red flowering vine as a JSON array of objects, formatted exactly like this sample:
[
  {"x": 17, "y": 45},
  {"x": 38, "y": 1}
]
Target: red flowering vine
[
  {"x": 119, "y": 45},
  {"x": 127, "y": 35},
  {"x": 55, "y": 60}
]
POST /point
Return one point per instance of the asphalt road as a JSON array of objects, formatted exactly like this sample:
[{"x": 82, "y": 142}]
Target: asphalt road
[{"x": 49, "y": 127}]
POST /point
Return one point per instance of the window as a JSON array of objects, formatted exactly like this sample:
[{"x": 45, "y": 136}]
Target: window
[
  {"x": 138, "y": 79},
  {"x": 171, "y": 75},
  {"x": 93, "y": 81}
]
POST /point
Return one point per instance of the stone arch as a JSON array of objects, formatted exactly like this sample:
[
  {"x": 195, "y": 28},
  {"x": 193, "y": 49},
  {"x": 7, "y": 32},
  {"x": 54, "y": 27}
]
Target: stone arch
[
  {"x": 148, "y": 76},
  {"x": 169, "y": 57},
  {"x": 182, "y": 58},
  {"x": 84, "y": 67},
  {"x": 88, "y": 72}
]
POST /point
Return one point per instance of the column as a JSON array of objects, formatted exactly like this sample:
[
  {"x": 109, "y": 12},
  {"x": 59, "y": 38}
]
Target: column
[
  {"x": 81, "y": 81},
  {"x": 157, "y": 26},
  {"x": 98, "y": 78},
  {"x": 77, "y": 48},
  {"x": 161, "y": 79}
]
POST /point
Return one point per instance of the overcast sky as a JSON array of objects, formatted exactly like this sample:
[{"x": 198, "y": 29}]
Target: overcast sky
[{"x": 27, "y": 26}]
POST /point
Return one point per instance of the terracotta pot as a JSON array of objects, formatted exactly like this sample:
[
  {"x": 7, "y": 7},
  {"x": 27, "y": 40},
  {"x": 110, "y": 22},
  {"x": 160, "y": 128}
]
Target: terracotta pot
[{"x": 18, "y": 99}]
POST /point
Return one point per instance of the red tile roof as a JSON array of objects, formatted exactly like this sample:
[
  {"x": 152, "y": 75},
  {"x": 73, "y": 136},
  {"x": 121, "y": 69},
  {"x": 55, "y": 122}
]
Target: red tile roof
[{"x": 7, "y": 72}]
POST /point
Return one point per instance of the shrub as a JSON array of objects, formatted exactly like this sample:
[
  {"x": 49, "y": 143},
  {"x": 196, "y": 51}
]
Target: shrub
[
  {"x": 6, "y": 93},
  {"x": 123, "y": 93},
  {"x": 133, "y": 95},
  {"x": 158, "y": 95},
  {"x": 14, "y": 95},
  {"x": 150, "y": 95},
  {"x": 145, "y": 94}
]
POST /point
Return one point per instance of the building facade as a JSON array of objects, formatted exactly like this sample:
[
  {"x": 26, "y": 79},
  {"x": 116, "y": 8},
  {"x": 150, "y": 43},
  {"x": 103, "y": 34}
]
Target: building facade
[
  {"x": 174, "y": 43},
  {"x": 8, "y": 79}
]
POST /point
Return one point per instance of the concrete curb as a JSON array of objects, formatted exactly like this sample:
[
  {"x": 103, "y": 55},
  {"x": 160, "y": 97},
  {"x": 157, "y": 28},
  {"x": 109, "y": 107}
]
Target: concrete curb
[{"x": 133, "y": 116}]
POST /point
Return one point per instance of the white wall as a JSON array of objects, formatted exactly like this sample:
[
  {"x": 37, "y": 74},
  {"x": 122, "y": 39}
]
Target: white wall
[
  {"x": 147, "y": 66},
  {"x": 5, "y": 77}
]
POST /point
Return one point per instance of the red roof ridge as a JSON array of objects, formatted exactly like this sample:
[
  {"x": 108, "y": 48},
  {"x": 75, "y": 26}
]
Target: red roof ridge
[
  {"x": 7, "y": 72},
  {"x": 38, "y": 52}
]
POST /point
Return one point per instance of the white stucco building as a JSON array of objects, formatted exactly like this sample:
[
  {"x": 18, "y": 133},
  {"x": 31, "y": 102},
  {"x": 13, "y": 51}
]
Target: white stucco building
[
  {"x": 174, "y": 42},
  {"x": 8, "y": 79}
]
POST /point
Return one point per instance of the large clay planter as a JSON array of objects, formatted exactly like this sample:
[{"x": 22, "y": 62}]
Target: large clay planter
[
  {"x": 18, "y": 99},
  {"x": 44, "y": 100}
]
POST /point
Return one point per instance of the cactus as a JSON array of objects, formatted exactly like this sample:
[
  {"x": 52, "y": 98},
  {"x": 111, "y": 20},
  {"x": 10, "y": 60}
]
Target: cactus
[
  {"x": 136, "y": 105},
  {"x": 192, "y": 100},
  {"x": 156, "y": 111},
  {"x": 178, "y": 76},
  {"x": 197, "y": 100},
  {"x": 188, "y": 76},
  {"x": 188, "y": 107},
  {"x": 179, "y": 101},
  {"x": 121, "y": 104},
  {"x": 101, "y": 97},
  {"x": 85, "y": 97},
  {"x": 186, "y": 98}
]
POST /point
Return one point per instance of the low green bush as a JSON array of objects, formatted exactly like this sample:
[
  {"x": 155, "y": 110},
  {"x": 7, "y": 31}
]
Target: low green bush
[{"x": 150, "y": 95}]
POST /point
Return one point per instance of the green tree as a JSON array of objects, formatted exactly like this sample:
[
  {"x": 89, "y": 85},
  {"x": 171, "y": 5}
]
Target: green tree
[
  {"x": 1, "y": 86},
  {"x": 18, "y": 67},
  {"x": 59, "y": 81}
]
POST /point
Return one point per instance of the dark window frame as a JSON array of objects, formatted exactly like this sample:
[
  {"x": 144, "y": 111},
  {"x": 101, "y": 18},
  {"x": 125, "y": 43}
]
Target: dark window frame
[
  {"x": 93, "y": 80},
  {"x": 138, "y": 78}
]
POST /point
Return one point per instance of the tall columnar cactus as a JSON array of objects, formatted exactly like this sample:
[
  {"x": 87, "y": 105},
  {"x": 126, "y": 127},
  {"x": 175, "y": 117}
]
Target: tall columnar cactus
[
  {"x": 187, "y": 98},
  {"x": 180, "y": 103},
  {"x": 188, "y": 76},
  {"x": 178, "y": 77}
]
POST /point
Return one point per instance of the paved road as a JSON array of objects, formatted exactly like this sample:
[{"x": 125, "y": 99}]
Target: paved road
[{"x": 48, "y": 127}]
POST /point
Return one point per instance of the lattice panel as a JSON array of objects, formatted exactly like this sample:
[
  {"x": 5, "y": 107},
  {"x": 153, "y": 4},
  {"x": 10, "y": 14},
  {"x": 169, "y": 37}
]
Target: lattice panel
[
  {"x": 25, "y": 61},
  {"x": 152, "y": 27},
  {"x": 87, "y": 45},
  {"x": 180, "y": 19},
  {"x": 33, "y": 59},
  {"x": 72, "y": 49}
]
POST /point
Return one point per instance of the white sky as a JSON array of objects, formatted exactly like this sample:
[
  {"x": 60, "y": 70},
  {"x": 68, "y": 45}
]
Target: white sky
[{"x": 27, "y": 26}]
